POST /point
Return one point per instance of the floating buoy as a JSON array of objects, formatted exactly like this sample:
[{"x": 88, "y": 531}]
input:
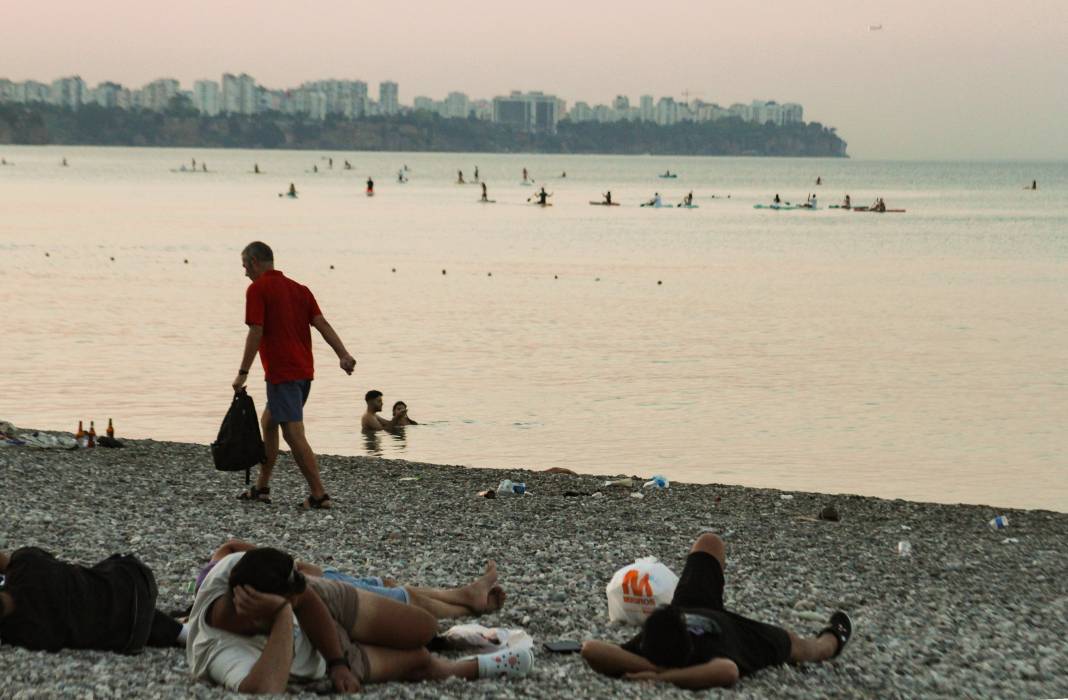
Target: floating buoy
[
  {"x": 489, "y": 274},
  {"x": 394, "y": 269},
  {"x": 443, "y": 272},
  {"x": 331, "y": 267},
  {"x": 659, "y": 281},
  {"x": 112, "y": 258},
  {"x": 556, "y": 277},
  {"x": 48, "y": 255},
  {"x": 597, "y": 280},
  {"x": 186, "y": 261}
]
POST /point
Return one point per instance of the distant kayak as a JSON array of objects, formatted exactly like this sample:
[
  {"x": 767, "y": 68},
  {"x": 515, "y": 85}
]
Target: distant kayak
[
  {"x": 657, "y": 205},
  {"x": 604, "y": 204},
  {"x": 780, "y": 207},
  {"x": 841, "y": 206},
  {"x": 687, "y": 206},
  {"x": 291, "y": 195},
  {"x": 869, "y": 210},
  {"x": 668, "y": 176},
  {"x": 539, "y": 204},
  {"x": 487, "y": 201}
]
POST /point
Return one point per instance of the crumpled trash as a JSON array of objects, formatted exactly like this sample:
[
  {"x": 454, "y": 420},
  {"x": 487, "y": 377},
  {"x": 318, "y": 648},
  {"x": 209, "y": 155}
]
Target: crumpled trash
[{"x": 483, "y": 639}]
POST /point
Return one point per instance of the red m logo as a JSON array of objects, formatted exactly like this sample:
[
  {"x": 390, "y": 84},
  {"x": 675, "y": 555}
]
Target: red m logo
[{"x": 632, "y": 585}]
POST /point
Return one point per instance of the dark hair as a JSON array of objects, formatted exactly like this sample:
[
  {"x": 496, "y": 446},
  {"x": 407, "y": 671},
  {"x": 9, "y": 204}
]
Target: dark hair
[
  {"x": 371, "y": 395},
  {"x": 267, "y": 570},
  {"x": 258, "y": 250},
  {"x": 399, "y": 403},
  {"x": 665, "y": 640}
]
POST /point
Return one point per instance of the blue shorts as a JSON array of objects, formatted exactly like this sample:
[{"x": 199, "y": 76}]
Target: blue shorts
[
  {"x": 371, "y": 584},
  {"x": 286, "y": 401}
]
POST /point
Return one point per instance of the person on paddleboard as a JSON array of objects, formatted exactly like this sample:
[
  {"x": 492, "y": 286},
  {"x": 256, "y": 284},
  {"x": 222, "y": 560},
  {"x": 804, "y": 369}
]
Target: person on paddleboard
[
  {"x": 655, "y": 201},
  {"x": 459, "y": 177},
  {"x": 292, "y": 190},
  {"x": 525, "y": 178},
  {"x": 485, "y": 195},
  {"x": 776, "y": 200},
  {"x": 543, "y": 197},
  {"x": 687, "y": 201},
  {"x": 847, "y": 203},
  {"x": 608, "y": 197},
  {"x": 370, "y": 186},
  {"x": 476, "y": 173}
]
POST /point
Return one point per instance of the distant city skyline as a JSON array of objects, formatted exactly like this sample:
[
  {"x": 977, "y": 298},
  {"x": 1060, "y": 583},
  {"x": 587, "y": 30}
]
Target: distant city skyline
[
  {"x": 352, "y": 98},
  {"x": 937, "y": 80}
]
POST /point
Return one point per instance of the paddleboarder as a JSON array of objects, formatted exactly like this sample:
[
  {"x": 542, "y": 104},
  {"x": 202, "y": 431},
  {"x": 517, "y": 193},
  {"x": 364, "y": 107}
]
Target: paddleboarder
[
  {"x": 608, "y": 197},
  {"x": 485, "y": 195},
  {"x": 370, "y": 185}
]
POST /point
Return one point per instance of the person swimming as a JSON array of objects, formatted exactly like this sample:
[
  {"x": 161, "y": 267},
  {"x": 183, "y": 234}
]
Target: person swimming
[{"x": 400, "y": 415}]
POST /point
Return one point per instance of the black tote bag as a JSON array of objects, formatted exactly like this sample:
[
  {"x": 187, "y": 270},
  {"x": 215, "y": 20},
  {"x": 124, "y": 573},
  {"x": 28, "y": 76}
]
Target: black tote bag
[{"x": 239, "y": 444}]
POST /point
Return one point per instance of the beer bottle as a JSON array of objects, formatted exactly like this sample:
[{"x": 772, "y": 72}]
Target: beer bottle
[
  {"x": 92, "y": 434},
  {"x": 111, "y": 429},
  {"x": 80, "y": 435}
]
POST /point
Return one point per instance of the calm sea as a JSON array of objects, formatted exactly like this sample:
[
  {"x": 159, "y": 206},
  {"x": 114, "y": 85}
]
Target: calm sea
[{"x": 921, "y": 355}]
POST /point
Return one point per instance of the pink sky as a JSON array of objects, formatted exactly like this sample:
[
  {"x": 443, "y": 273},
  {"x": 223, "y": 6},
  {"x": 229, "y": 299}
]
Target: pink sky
[{"x": 942, "y": 79}]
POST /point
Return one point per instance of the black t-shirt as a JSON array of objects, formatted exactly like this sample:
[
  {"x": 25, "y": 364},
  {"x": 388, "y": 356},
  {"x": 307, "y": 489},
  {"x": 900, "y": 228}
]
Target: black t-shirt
[
  {"x": 717, "y": 634},
  {"x": 68, "y": 606}
]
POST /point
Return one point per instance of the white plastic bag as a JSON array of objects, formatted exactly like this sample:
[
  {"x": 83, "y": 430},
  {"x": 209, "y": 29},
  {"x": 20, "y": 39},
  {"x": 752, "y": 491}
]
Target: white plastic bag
[{"x": 637, "y": 589}]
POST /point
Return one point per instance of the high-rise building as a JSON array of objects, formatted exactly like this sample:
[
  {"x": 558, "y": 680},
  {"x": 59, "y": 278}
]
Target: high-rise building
[
  {"x": 206, "y": 97},
  {"x": 239, "y": 94},
  {"x": 106, "y": 95},
  {"x": 792, "y": 113},
  {"x": 621, "y": 103},
  {"x": 457, "y": 105},
  {"x": 646, "y": 110},
  {"x": 388, "y": 97},
  {"x": 667, "y": 112},
  {"x": 68, "y": 92},
  {"x": 157, "y": 95},
  {"x": 531, "y": 111}
]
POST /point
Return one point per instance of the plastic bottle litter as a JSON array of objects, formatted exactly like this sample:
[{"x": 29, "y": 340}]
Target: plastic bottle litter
[
  {"x": 507, "y": 487},
  {"x": 1009, "y": 540},
  {"x": 904, "y": 548},
  {"x": 787, "y": 497},
  {"x": 999, "y": 523},
  {"x": 657, "y": 481},
  {"x": 624, "y": 483},
  {"x": 637, "y": 494}
]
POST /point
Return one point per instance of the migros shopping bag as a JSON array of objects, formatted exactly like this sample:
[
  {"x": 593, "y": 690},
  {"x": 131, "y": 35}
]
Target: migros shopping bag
[{"x": 637, "y": 589}]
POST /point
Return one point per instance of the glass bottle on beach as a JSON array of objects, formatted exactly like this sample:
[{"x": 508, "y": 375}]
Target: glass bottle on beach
[
  {"x": 92, "y": 434},
  {"x": 80, "y": 435},
  {"x": 111, "y": 429}
]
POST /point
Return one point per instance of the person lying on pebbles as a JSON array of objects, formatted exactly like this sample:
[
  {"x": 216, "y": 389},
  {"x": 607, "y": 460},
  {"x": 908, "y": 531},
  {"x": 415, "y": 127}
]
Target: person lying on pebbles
[
  {"x": 258, "y": 622},
  {"x": 48, "y": 604},
  {"x": 483, "y": 595},
  {"x": 695, "y": 643}
]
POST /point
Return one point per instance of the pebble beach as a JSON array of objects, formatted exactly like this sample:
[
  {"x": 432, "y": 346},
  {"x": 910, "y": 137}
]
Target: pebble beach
[{"x": 971, "y": 612}]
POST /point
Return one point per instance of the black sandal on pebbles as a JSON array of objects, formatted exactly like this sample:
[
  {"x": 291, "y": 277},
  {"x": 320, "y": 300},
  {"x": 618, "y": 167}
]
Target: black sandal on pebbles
[
  {"x": 322, "y": 503},
  {"x": 841, "y": 627},
  {"x": 256, "y": 494}
]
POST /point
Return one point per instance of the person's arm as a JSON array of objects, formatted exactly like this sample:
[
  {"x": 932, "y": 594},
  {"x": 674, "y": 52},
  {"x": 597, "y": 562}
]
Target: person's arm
[
  {"x": 373, "y": 422},
  {"x": 270, "y": 674},
  {"x": 319, "y": 627},
  {"x": 348, "y": 363},
  {"x": 252, "y": 345},
  {"x": 717, "y": 673},
  {"x": 229, "y": 547},
  {"x": 613, "y": 660}
]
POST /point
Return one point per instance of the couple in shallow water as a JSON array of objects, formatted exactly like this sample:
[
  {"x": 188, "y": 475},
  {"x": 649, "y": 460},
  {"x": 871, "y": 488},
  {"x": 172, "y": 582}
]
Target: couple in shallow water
[{"x": 372, "y": 422}]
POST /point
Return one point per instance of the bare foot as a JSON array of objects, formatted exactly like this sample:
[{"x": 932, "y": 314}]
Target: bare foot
[
  {"x": 495, "y": 600},
  {"x": 479, "y": 593}
]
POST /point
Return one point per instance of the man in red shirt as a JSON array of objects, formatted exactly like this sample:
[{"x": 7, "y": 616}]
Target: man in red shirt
[{"x": 280, "y": 313}]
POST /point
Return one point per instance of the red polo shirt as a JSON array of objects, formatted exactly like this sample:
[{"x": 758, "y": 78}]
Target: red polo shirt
[{"x": 285, "y": 309}]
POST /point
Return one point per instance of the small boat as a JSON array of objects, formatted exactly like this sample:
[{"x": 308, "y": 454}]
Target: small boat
[
  {"x": 869, "y": 210},
  {"x": 487, "y": 201},
  {"x": 668, "y": 176},
  {"x": 687, "y": 206},
  {"x": 839, "y": 206},
  {"x": 657, "y": 205},
  {"x": 604, "y": 204},
  {"x": 785, "y": 206}
]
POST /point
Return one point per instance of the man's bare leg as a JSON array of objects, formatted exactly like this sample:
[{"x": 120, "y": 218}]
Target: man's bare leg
[
  {"x": 481, "y": 595},
  {"x": 293, "y": 432},
  {"x": 414, "y": 665},
  {"x": 270, "y": 446},
  {"x": 803, "y": 649}
]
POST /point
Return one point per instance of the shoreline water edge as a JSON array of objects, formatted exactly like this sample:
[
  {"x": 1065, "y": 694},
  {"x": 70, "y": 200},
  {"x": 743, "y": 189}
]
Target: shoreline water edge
[{"x": 969, "y": 611}]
